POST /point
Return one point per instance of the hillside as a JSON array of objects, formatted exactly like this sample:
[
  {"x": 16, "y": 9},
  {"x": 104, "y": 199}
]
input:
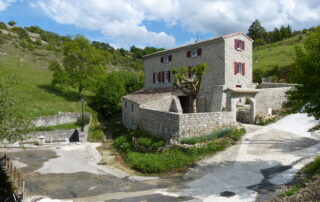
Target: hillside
[{"x": 276, "y": 58}]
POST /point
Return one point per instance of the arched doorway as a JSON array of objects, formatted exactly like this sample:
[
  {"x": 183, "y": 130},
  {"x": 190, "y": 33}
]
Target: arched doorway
[{"x": 244, "y": 112}]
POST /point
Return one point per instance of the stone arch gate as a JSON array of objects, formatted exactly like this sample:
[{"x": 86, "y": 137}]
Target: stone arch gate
[{"x": 233, "y": 94}]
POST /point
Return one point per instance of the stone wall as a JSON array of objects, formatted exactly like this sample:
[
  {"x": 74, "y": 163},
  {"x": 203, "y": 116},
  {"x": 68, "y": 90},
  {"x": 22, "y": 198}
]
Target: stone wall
[
  {"x": 195, "y": 124},
  {"x": 274, "y": 85},
  {"x": 50, "y": 135},
  {"x": 270, "y": 98},
  {"x": 61, "y": 118},
  {"x": 168, "y": 125}
]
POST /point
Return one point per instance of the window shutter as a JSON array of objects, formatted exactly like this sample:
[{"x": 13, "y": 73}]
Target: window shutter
[
  {"x": 169, "y": 76},
  {"x": 243, "y": 68},
  {"x": 235, "y": 68},
  {"x": 162, "y": 79},
  {"x": 235, "y": 43},
  {"x": 243, "y": 45},
  {"x": 154, "y": 77},
  {"x": 189, "y": 72},
  {"x": 170, "y": 57},
  {"x": 188, "y": 54},
  {"x": 199, "y": 51},
  {"x": 159, "y": 77},
  {"x": 161, "y": 59}
]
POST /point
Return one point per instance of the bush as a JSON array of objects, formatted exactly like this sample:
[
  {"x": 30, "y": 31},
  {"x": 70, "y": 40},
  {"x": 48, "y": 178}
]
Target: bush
[
  {"x": 22, "y": 33},
  {"x": 207, "y": 137},
  {"x": 3, "y": 26}
]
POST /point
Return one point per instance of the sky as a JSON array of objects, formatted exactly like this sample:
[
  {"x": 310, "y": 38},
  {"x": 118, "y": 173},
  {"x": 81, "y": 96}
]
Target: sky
[{"x": 158, "y": 23}]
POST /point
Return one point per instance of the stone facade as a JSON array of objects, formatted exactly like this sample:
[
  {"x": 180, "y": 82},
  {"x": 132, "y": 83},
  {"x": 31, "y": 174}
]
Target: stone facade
[
  {"x": 61, "y": 118},
  {"x": 227, "y": 84}
]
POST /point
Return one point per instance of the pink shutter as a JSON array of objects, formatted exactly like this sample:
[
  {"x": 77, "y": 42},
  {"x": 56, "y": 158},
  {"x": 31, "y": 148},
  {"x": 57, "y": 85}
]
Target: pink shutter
[
  {"x": 161, "y": 59},
  {"x": 243, "y": 69},
  {"x": 162, "y": 75},
  {"x": 154, "y": 77},
  {"x": 243, "y": 45},
  {"x": 235, "y": 68},
  {"x": 169, "y": 76},
  {"x": 236, "y": 43},
  {"x": 199, "y": 51},
  {"x": 170, "y": 57},
  {"x": 188, "y": 54},
  {"x": 189, "y": 72}
]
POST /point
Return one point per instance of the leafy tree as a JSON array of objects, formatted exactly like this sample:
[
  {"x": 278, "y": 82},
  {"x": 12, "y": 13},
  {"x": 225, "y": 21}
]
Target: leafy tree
[
  {"x": 14, "y": 122},
  {"x": 12, "y": 23},
  {"x": 306, "y": 96},
  {"x": 256, "y": 31},
  {"x": 190, "y": 86},
  {"x": 82, "y": 65},
  {"x": 117, "y": 84}
]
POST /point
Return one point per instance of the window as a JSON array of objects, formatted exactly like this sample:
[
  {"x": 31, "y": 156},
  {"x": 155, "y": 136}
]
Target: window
[
  {"x": 239, "y": 44},
  {"x": 194, "y": 53},
  {"x": 166, "y": 59},
  {"x": 239, "y": 68},
  {"x": 158, "y": 80},
  {"x": 132, "y": 107},
  {"x": 167, "y": 76},
  {"x": 125, "y": 105}
]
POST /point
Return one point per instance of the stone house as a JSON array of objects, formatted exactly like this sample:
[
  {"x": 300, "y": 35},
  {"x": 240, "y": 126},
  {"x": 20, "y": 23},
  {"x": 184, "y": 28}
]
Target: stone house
[{"x": 163, "y": 110}]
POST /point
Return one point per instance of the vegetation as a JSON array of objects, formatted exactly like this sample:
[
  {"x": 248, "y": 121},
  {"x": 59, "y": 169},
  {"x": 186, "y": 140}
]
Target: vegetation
[
  {"x": 14, "y": 122},
  {"x": 117, "y": 84},
  {"x": 310, "y": 170},
  {"x": 172, "y": 159},
  {"x": 82, "y": 66},
  {"x": 306, "y": 96},
  {"x": 231, "y": 132},
  {"x": 190, "y": 84}
]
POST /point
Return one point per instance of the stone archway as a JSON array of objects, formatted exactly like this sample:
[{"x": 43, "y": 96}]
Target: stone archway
[{"x": 233, "y": 95}]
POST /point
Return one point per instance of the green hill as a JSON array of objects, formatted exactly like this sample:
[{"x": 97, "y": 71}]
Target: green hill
[{"x": 276, "y": 59}]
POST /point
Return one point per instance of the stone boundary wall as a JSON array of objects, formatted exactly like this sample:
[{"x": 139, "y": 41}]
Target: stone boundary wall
[
  {"x": 270, "y": 98},
  {"x": 169, "y": 125},
  {"x": 161, "y": 124},
  {"x": 274, "y": 85},
  {"x": 195, "y": 124},
  {"x": 61, "y": 118}
]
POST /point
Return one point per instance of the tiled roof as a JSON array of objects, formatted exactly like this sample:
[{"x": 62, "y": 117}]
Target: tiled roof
[
  {"x": 201, "y": 42},
  {"x": 146, "y": 95}
]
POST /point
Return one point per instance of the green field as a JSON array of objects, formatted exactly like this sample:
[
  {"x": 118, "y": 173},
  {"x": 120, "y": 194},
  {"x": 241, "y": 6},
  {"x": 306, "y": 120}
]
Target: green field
[{"x": 280, "y": 54}]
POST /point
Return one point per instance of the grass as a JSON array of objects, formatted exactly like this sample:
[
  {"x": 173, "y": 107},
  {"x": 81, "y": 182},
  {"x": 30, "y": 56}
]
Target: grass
[
  {"x": 309, "y": 171},
  {"x": 41, "y": 98},
  {"x": 211, "y": 136},
  {"x": 66, "y": 126},
  {"x": 267, "y": 122},
  {"x": 280, "y": 54},
  {"x": 172, "y": 159}
]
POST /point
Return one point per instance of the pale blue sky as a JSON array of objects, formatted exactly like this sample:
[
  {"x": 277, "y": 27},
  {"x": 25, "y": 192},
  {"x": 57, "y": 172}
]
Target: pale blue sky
[{"x": 165, "y": 23}]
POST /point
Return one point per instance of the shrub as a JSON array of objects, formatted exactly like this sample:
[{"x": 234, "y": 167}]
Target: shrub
[
  {"x": 22, "y": 33},
  {"x": 3, "y": 26},
  {"x": 207, "y": 137}
]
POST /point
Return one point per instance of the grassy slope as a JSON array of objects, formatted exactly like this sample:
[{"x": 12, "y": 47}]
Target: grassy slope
[{"x": 281, "y": 53}]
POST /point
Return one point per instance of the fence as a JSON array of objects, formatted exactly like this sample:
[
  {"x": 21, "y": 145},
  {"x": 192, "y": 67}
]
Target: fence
[{"x": 14, "y": 176}]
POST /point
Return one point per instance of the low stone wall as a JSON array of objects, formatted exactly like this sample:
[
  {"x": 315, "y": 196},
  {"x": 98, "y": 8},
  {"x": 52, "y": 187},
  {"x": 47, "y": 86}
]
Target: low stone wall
[
  {"x": 195, "y": 124},
  {"x": 274, "y": 85},
  {"x": 270, "y": 98},
  {"x": 61, "y": 118},
  {"x": 162, "y": 124},
  {"x": 50, "y": 135},
  {"x": 168, "y": 125}
]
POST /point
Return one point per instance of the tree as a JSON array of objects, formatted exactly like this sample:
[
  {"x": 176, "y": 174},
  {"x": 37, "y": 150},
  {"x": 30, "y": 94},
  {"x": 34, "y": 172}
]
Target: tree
[
  {"x": 14, "y": 121},
  {"x": 256, "y": 31},
  {"x": 117, "y": 84},
  {"x": 12, "y": 23},
  {"x": 190, "y": 86},
  {"x": 82, "y": 65},
  {"x": 306, "y": 96}
]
